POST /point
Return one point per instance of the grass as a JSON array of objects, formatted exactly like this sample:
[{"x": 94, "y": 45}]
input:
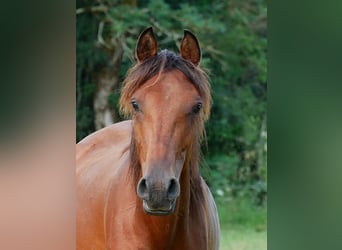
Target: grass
[
  {"x": 243, "y": 225},
  {"x": 242, "y": 239}
]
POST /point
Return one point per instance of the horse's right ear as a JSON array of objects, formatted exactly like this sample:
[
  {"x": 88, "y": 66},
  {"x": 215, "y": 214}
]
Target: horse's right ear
[{"x": 147, "y": 45}]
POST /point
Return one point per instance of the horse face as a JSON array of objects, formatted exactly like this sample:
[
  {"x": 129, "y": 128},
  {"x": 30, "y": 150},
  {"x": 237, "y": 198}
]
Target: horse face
[
  {"x": 165, "y": 107},
  {"x": 165, "y": 110}
]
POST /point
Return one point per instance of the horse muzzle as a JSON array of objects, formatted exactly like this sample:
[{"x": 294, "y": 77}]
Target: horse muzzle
[
  {"x": 159, "y": 210},
  {"x": 159, "y": 197}
]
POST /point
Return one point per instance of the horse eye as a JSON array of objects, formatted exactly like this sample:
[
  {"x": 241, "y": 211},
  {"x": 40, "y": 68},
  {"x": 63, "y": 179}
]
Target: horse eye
[
  {"x": 197, "y": 108},
  {"x": 135, "y": 105}
]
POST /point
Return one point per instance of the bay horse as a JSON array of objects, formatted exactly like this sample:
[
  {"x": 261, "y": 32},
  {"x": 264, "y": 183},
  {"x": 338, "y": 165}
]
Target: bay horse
[{"x": 138, "y": 181}]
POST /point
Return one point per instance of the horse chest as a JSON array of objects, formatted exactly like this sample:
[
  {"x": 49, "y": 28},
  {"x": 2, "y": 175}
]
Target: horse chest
[{"x": 154, "y": 233}]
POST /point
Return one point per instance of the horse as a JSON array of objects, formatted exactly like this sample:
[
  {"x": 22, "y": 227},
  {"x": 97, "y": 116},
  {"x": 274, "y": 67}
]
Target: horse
[{"x": 138, "y": 181}]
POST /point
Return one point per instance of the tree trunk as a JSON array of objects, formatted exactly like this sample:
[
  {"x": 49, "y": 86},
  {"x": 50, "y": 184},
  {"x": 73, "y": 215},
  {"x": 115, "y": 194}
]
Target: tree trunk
[{"x": 107, "y": 81}]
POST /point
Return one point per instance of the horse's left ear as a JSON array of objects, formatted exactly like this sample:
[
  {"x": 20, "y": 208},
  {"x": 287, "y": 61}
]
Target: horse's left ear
[
  {"x": 147, "y": 45},
  {"x": 190, "y": 49}
]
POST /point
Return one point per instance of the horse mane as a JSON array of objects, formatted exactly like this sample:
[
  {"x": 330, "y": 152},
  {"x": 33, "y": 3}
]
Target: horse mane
[{"x": 166, "y": 61}]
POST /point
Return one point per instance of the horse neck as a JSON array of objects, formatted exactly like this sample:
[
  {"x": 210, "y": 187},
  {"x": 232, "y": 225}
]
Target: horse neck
[{"x": 189, "y": 184}]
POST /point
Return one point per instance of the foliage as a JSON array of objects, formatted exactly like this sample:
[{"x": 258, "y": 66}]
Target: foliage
[
  {"x": 232, "y": 35},
  {"x": 241, "y": 212},
  {"x": 237, "y": 129}
]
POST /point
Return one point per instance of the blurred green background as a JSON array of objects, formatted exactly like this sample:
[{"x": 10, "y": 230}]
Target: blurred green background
[{"x": 232, "y": 35}]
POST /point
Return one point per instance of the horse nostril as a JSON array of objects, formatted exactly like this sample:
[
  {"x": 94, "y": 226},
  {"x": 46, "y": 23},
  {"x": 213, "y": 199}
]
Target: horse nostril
[
  {"x": 173, "y": 189},
  {"x": 142, "y": 189}
]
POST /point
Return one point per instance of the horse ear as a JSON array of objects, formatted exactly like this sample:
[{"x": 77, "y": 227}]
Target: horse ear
[
  {"x": 190, "y": 49},
  {"x": 147, "y": 45}
]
